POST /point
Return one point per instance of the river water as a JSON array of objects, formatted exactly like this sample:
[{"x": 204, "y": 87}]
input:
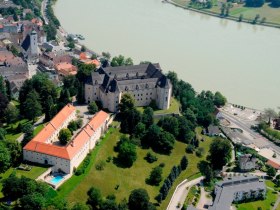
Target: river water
[{"x": 240, "y": 60}]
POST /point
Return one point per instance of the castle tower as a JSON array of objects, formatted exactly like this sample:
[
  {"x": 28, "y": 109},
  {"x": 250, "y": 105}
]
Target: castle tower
[{"x": 34, "y": 44}]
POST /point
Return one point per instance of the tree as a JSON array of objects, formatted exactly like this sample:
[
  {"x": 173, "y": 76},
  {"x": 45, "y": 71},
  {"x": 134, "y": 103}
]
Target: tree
[
  {"x": 49, "y": 109},
  {"x": 28, "y": 133},
  {"x": 109, "y": 204},
  {"x": 94, "y": 197},
  {"x": 64, "y": 136},
  {"x": 256, "y": 19},
  {"x": 155, "y": 176},
  {"x": 184, "y": 163},
  {"x": 127, "y": 153},
  {"x": 92, "y": 108},
  {"x": 138, "y": 199},
  {"x": 164, "y": 143},
  {"x": 275, "y": 3},
  {"x": 72, "y": 126},
  {"x": 33, "y": 201},
  {"x": 140, "y": 130},
  {"x": 83, "y": 49},
  {"x": 32, "y": 106},
  {"x": 255, "y": 3},
  {"x": 169, "y": 124},
  {"x": 152, "y": 134},
  {"x": 15, "y": 151},
  {"x": 206, "y": 170},
  {"x": 130, "y": 118},
  {"x": 219, "y": 99},
  {"x": 3, "y": 105},
  {"x": 240, "y": 18},
  {"x": 11, "y": 113},
  {"x": 5, "y": 158},
  {"x": 271, "y": 172},
  {"x": 148, "y": 116},
  {"x": 219, "y": 153},
  {"x": 2, "y": 134},
  {"x": 3, "y": 89},
  {"x": 121, "y": 61},
  {"x": 269, "y": 114},
  {"x": 106, "y": 55},
  {"x": 127, "y": 103}
]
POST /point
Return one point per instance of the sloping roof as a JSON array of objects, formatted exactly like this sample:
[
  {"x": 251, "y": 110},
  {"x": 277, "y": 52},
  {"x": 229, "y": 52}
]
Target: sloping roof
[
  {"x": 26, "y": 43},
  {"x": 273, "y": 164},
  {"x": 38, "y": 143}
]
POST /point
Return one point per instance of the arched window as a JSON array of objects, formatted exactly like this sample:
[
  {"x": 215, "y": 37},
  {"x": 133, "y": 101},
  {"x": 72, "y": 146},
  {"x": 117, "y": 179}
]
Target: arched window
[
  {"x": 147, "y": 86},
  {"x": 126, "y": 88},
  {"x": 127, "y": 75},
  {"x": 137, "y": 87},
  {"x": 137, "y": 75}
]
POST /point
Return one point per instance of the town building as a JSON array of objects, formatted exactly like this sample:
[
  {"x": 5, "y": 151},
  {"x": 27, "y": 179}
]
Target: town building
[
  {"x": 46, "y": 149},
  {"x": 145, "y": 82},
  {"x": 30, "y": 47},
  {"x": 237, "y": 189},
  {"x": 247, "y": 162},
  {"x": 65, "y": 69}
]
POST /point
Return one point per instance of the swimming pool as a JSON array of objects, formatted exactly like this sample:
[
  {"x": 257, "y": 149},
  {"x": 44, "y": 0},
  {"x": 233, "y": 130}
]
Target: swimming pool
[{"x": 55, "y": 180}]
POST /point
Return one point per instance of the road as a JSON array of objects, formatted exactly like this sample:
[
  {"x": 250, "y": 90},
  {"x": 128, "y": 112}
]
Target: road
[
  {"x": 246, "y": 126},
  {"x": 181, "y": 193},
  {"x": 43, "y": 11},
  {"x": 204, "y": 201}
]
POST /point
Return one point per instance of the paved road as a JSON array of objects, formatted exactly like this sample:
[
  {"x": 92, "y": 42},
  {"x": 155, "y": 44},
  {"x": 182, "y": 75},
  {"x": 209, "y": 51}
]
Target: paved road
[
  {"x": 246, "y": 126},
  {"x": 181, "y": 193},
  {"x": 43, "y": 11},
  {"x": 276, "y": 203}
]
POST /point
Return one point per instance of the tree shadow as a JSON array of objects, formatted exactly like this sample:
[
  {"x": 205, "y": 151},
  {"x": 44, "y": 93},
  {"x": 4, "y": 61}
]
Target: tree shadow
[{"x": 120, "y": 163}]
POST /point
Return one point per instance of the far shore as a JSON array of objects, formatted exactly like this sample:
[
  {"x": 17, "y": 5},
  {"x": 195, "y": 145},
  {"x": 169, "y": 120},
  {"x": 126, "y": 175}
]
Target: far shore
[{"x": 245, "y": 20}]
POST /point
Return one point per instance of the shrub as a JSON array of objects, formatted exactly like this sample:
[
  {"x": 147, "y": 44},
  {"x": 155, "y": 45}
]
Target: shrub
[
  {"x": 150, "y": 158},
  {"x": 100, "y": 165},
  {"x": 81, "y": 169},
  {"x": 190, "y": 148}
]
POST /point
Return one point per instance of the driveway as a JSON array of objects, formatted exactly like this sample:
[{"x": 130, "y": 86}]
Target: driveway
[{"x": 181, "y": 193}]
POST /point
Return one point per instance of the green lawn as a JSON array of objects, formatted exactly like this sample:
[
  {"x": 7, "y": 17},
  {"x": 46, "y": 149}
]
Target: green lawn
[
  {"x": 12, "y": 131},
  {"x": 264, "y": 204},
  {"x": 38, "y": 129},
  {"x": 174, "y": 108},
  {"x": 192, "y": 192},
  {"x": 128, "y": 178},
  {"x": 32, "y": 174}
]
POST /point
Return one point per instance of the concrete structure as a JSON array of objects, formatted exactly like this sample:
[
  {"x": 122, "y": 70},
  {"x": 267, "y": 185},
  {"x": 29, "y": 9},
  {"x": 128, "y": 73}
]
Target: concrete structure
[
  {"x": 247, "y": 162},
  {"x": 237, "y": 189},
  {"x": 145, "y": 82},
  {"x": 46, "y": 149}
]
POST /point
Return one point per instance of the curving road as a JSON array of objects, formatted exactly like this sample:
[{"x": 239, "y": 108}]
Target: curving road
[{"x": 181, "y": 192}]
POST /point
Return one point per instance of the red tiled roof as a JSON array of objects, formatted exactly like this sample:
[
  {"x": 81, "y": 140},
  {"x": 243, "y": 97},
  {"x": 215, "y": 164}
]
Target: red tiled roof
[
  {"x": 273, "y": 164},
  {"x": 70, "y": 150}
]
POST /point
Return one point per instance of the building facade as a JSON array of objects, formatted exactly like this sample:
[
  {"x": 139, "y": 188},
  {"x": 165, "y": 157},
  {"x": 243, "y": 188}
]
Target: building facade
[
  {"x": 45, "y": 149},
  {"x": 247, "y": 162},
  {"x": 145, "y": 82}
]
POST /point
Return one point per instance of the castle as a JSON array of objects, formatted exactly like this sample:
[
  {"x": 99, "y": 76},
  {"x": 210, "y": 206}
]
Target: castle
[{"x": 145, "y": 82}]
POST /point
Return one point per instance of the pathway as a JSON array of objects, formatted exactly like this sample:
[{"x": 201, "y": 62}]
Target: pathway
[
  {"x": 181, "y": 192},
  {"x": 43, "y": 11},
  {"x": 36, "y": 124},
  {"x": 204, "y": 201},
  {"x": 276, "y": 203}
]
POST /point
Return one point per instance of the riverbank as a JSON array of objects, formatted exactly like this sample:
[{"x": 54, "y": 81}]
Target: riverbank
[{"x": 229, "y": 17}]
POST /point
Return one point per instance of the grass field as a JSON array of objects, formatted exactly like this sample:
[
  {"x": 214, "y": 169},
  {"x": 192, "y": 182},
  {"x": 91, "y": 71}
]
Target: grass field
[
  {"x": 174, "y": 108},
  {"x": 12, "y": 131},
  {"x": 266, "y": 11},
  {"x": 130, "y": 178}
]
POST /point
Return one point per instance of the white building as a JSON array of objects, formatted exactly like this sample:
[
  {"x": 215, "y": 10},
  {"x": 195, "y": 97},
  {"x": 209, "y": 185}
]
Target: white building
[
  {"x": 237, "y": 189},
  {"x": 45, "y": 149},
  {"x": 145, "y": 82},
  {"x": 30, "y": 47}
]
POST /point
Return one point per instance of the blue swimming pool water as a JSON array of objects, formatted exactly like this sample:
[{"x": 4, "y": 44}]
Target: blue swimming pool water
[{"x": 56, "y": 179}]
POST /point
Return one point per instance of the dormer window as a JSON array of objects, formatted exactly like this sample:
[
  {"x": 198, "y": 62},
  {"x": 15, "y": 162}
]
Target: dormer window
[
  {"x": 126, "y": 88},
  {"x": 137, "y": 75},
  {"x": 137, "y": 87},
  {"x": 127, "y": 76}
]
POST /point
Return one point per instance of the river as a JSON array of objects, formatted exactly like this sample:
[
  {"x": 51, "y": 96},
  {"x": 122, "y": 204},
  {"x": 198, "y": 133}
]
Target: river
[{"x": 240, "y": 60}]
